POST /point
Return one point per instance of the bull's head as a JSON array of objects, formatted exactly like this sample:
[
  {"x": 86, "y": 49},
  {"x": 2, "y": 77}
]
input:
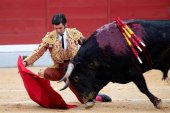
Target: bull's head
[{"x": 87, "y": 79}]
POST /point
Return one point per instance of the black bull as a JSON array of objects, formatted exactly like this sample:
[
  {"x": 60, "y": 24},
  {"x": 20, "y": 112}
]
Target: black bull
[{"x": 106, "y": 57}]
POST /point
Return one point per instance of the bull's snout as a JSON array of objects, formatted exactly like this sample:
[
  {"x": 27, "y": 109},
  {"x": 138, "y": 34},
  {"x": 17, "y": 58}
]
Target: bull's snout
[
  {"x": 89, "y": 104},
  {"x": 88, "y": 99}
]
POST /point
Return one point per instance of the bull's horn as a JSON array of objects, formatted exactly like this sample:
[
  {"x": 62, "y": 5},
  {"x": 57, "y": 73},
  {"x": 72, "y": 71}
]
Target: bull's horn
[
  {"x": 66, "y": 85},
  {"x": 62, "y": 79},
  {"x": 70, "y": 68},
  {"x": 67, "y": 75},
  {"x": 68, "y": 72}
]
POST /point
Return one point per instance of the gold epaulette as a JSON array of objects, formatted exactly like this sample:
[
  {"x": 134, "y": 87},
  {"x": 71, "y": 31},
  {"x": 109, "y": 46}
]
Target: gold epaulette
[
  {"x": 74, "y": 33},
  {"x": 50, "y": 38}
]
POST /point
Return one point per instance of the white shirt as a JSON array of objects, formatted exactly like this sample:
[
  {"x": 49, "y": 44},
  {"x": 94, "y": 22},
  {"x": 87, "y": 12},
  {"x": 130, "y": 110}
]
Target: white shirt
[{"x": 65, "y": 40}]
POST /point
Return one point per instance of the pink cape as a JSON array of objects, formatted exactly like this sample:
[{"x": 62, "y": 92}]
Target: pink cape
[{"x": 40, "y": 90}]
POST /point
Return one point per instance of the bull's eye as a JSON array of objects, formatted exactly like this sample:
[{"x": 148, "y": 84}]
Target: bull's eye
[
  {"x": 96, "y": 85},
  {"x": 76, "y": 79}
]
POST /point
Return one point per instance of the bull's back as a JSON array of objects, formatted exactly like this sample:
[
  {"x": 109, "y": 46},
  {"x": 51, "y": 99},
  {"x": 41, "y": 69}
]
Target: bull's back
[{"x": 156, "y": 35}]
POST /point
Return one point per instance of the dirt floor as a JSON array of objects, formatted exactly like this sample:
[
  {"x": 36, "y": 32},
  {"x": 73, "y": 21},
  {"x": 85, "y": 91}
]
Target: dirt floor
[{"x": 126, "y": 98}]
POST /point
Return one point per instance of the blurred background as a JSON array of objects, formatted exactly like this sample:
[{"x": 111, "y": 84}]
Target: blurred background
[{"x": 23, "y": 23}]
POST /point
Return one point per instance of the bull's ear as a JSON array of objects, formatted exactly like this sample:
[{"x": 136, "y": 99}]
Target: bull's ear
[{"x": 93, "y": 65}]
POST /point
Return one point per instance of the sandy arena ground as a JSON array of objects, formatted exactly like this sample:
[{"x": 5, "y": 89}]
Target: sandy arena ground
[{"x": 126, "y": 98}]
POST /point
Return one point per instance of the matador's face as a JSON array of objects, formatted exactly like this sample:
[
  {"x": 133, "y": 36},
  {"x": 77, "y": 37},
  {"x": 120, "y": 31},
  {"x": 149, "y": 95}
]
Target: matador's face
[{"x": 59, "y": 28}]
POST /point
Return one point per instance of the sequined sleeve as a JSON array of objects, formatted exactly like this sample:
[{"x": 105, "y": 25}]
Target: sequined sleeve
[{"x": 37, "y": 53}]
